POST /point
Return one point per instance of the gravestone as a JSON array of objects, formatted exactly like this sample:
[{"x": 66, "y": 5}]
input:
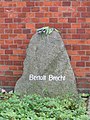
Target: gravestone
[{"x": 47, "y": 70}]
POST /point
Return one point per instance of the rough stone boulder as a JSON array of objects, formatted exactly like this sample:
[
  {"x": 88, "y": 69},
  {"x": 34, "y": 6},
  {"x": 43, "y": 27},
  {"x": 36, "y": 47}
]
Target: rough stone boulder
[{"x": 47, "y": 70}]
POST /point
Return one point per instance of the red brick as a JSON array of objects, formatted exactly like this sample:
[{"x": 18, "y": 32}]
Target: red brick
[
  {"x": 63, "y": 31},
  {"x": 11, "y": 78},
  {"x": 75, "y": 3},
  {"x": 4, "y": 57},
  {"x": 3, "y": 15},
  {"x": 71, "y": 30},
  {"x": 66, "y": 3},
  {"x": 1, "y": 31},
  {"x": 2, "y": 20},
  {"x": 70, "y": 52},
  {"x": 85, "y": 14},
  {"x": 81, "y": 52},
  {"x": 9, "y": 73},
  {"x": 18, "y": 31},
  {"x": 87, "y": 52},
  {"x": 1, "y": 62},
  {"x": 2, "y": 51},
  {"x": 22, "y": 25},
  {"x": 12, "y": 83},
  {"x": 54, "y": 9},
  {"x": 63, "y": 20},
  {"x": 75, "y": 36},
  {"x": 88, "y": 9},
  {"x": 4, "y": 36},
  {"x": 84, "y": 36},
  {"x": 53, "y": 20},
  {"x": 39, "y": 25},
  {"x": 8, "y": 31},
  {"x": 75, "y": 14},
  {"x": 66, "y": 25},
  {"x": 29, "y": 36},
  {"x": 85, "y": 25},
  {"x": 68, "y": 47},
  {"x": 4, "y": 46},
  {"x": 17, "y": 73},
  {"x": 13, "y": 67},
  {"x": 84, "y": 86},
  {"x": 85, "y": 58},
  {"x": 80, "y": 64},
  {"x": 81, "y": 9},
  {"x": 3, "y": 26},
  {"x": 13, "y": 58},
  {"x": 8, "y": 51},
  {"x": 47, "y": 3},
  {"x": 87, "y": 74},
  {"x": 87, "y": 20},
  {"x": 3, "y": 78},
  {"x": 20, "y": 68},
  {"x": 57, "y": 3},
  {"x": 80, "y": 30},
  {"x": 44, "y": 20},
  {"x": 48, "y": 14},
  {"x": 17, "y": 20},
  {"x": 13, "y": 46},
  {"x": 30, "y": 15},
  {"x": 21, "y": 36},
  {"x": 35, "y": 9},
  {"x": 88, "y": 64},
  {"x": 66, "y": 36},
  {"x": 21, "y": 4},
  {"x": 8, "y": 62},
  {"x": 85, "y": 47},
  {"x": 86, "y": 3},
  {"x": 26, "y": 31},
  {"x": 75, "y": 47},
  {"x": 44, "y": 9},
  {"x": 29, "y": 4},
  {"x": 58, "y": 26},
  {"x": 18, "y": 42},
  {"x": 8, "y": 20},
  {"x": 75, "y": 58},
  {"x": 75, "y": 25},
  {"x": 72, "y": 20},
  {"x": 22, "y": 15},
  {"x": 18, "y": 63},
  {"x": 16, "y": 52},
  {"x": 38, "y": 3},
  {"x": 8, "y": 42},
  {"x": 66, "y": 14},
  {"x": 81, "y": 20},
  {"x": 13, "y": 26},
  {"x": 35, "y": 20},
  {"x": 73, "y": 63},
  {"x": 11, "y": 36},
  {"x": 39, "y": 14},
  {"x": 30, "y": 26},
  {"x": 1, "y": 10},
  {"x": 25, "y": 9}
]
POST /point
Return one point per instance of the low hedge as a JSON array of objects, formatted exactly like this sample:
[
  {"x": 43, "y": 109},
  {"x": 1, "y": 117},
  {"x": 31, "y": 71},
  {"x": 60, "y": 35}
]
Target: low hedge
[{"x": 35, "y": 107}]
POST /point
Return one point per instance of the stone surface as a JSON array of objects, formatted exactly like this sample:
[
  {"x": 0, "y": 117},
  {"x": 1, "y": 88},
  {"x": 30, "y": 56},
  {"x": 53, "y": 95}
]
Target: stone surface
[{"x": 46, "y": 55}]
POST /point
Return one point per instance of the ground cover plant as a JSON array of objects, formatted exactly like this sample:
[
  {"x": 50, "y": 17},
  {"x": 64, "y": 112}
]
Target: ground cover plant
[{"x": 35, "y": 107}]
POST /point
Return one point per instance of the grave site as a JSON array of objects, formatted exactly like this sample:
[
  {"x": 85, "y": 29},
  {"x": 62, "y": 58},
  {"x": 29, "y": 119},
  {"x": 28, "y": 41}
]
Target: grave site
[{"x": 44, "y": 60}]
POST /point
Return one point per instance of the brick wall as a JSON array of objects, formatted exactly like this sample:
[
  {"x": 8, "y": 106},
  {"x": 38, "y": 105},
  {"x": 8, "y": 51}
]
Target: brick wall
[{"x": 18, "y": 22}]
